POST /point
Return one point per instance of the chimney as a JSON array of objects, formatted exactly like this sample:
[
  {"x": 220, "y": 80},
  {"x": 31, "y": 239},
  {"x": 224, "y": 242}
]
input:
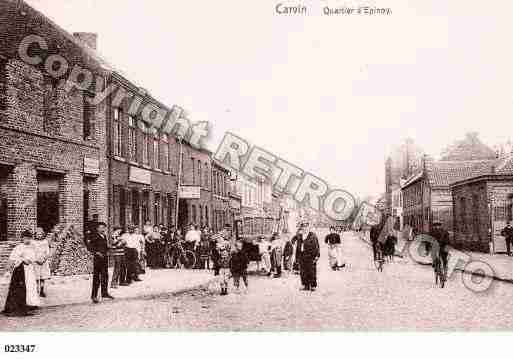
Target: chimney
[{"x": 88, "y": 38}]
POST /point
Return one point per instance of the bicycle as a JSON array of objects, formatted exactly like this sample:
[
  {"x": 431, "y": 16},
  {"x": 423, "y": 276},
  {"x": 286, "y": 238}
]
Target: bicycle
[
  {"x": 179, "y": 257},
  {"x": 379, "y": 259},
  {"x": 440, "y": 275}
]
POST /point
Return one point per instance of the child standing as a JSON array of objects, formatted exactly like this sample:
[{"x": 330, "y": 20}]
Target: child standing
[
  {"x": 277, "y": 253},
  {"x": 204, "y": 252},
  {"x": 288, "y": 252},
  {"x": 223, "y": 248},
  {"x": 239, "y": 266}
]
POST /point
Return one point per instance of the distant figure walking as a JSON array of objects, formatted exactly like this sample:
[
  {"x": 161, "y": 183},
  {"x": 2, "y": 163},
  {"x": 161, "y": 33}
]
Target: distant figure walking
[
  {"x": 507, "y": 232},
  {"x": 334, "y": 252}
]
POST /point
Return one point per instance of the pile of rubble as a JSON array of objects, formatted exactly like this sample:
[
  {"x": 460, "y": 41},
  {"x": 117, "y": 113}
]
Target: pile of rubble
[{"x": 69, "y": 253}]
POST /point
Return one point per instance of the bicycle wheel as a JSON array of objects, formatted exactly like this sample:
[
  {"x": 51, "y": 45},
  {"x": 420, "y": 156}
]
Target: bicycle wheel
[
  {"x": 378, "y": 261},
  {"x": 442, "y": 277},
  {"x": 188, "y": 259},
  {"x": 438, "y": 274},
  {"x": 174, "y": 260}
]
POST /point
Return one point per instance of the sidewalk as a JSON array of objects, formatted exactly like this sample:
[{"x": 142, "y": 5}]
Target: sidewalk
[
  {"x": 77, "y": 289},
  {"x": 501, "y": 264}
]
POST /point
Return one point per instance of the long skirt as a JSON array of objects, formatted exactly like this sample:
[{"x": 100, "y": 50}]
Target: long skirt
[
  {"x": 22, "y": 293},
  {"x": 308, "y": 272}
]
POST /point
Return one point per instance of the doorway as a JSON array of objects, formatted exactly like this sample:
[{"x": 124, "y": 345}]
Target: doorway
[
  {"x": 47, "y": 200},
  {"x": 183, "y": 215},
  {"x": 3, "y": 218}
]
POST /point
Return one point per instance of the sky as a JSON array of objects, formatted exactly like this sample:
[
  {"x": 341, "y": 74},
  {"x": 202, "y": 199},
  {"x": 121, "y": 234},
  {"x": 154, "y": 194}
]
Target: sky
[{"x": 329, "y": 94}]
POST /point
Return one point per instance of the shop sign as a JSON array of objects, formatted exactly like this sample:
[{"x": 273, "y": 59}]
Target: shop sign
[
  {"x": 139, "y": 175},
  {"x": 235, "y": 204},
  {"x": 91, "y": 166},
  {"x": 190, "y": 192}
]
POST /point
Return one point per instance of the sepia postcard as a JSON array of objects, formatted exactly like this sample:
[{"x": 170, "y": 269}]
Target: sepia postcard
[{"x": 254, "y": 166}]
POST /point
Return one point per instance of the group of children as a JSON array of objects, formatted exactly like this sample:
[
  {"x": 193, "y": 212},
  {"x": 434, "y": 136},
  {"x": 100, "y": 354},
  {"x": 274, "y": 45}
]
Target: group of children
[{"x": 275, "y": 254}]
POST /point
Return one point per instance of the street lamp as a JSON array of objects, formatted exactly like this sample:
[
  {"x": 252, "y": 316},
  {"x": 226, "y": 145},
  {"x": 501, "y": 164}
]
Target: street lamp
[{"x": 179, "y": 180}]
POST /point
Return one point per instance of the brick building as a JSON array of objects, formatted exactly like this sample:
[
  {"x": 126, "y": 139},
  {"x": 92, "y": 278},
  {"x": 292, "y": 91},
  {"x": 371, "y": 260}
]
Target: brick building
[
  {"x": 196, "y": 172},
  {"x": 64, "y": 160},
  {"x": 482, "y": 205},
  {"x": 427, "y": 193},
  {"x": 53, "y": 167},
  {"x": 221, "y": 208},
  {"x": 256, "y": 204},
  {"x": 143, "y": 162},
  {"x": 404, "y": 160}
]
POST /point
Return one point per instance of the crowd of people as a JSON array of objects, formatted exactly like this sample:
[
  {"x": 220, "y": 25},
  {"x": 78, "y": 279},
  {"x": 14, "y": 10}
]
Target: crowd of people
[
  {"x": 155, "y": 247},
  {"x": 131, "y": 251}
]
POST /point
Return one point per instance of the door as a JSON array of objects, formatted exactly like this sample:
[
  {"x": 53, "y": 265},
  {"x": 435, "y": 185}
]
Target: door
[
  {"x": 3, "y": 218},
  {"x": 47, "y": 210},
  {"x": 499, "y": 218},
  {"x": 183, "y": 216},
  {"x": 86, "y": 210}
]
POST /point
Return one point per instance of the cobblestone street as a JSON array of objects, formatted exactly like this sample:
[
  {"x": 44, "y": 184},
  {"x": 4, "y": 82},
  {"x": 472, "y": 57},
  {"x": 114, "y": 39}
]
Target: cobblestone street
[{"x": 403, "y": 297}]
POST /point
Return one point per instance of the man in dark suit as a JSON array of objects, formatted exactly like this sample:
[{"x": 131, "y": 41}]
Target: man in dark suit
[
  {"x": 507, "y": 232},
  {"x": 309, "y": 254},
  {"x": 98, "y": 246}
]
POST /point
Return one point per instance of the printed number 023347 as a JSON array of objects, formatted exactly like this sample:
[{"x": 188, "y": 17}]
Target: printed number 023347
[{"x": 19, "y": 348}]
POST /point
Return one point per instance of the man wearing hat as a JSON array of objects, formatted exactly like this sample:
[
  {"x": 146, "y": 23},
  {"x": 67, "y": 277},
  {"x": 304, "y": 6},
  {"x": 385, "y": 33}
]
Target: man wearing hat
[{"x": 99, "y": 248}]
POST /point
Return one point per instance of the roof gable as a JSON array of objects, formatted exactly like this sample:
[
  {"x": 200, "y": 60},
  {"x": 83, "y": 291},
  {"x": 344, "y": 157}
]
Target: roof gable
[{"x": 443, "y": 173}]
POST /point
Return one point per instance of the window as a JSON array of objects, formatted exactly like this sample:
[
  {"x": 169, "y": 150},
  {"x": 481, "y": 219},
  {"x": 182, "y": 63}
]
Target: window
[
  {"x": 145, "y": 207},
  {"x": 475, "y": 214},
  {"x": 199, "y": 173},
  {"x": 157, "y": 209},
  {"x": 116, "y": 132},
  {"x": 156, "y": 152},
  {"x": 463, "y": 215},
  {"x": 165, "y": 152},
  {"x": 510, "y": 207},
  {"x": 123, "y": 201},
  {"x": 146, "y": 146},
  {"x": 132, "y": 139},
  {"x": 193, "y": 214},
  {"x": 88, "y": 115},
  {"x": 135, "y": 207},
  {"x": 193, "y": 171},
  {"x": 206, "y": 176}
]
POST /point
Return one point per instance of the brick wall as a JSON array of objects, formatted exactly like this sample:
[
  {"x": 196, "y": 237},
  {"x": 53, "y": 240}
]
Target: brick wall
[
  {"x": 41, "y": 125},
  {"x": 471, "y": 217}
]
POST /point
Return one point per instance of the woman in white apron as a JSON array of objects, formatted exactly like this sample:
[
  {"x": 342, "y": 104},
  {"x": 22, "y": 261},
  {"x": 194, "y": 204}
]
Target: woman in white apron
[{"x": 22, "y": 296}]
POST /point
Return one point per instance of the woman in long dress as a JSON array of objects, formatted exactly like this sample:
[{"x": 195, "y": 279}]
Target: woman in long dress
[
  {"x": 22, "y": 296},
  {"x": 42, "y": 266}
]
